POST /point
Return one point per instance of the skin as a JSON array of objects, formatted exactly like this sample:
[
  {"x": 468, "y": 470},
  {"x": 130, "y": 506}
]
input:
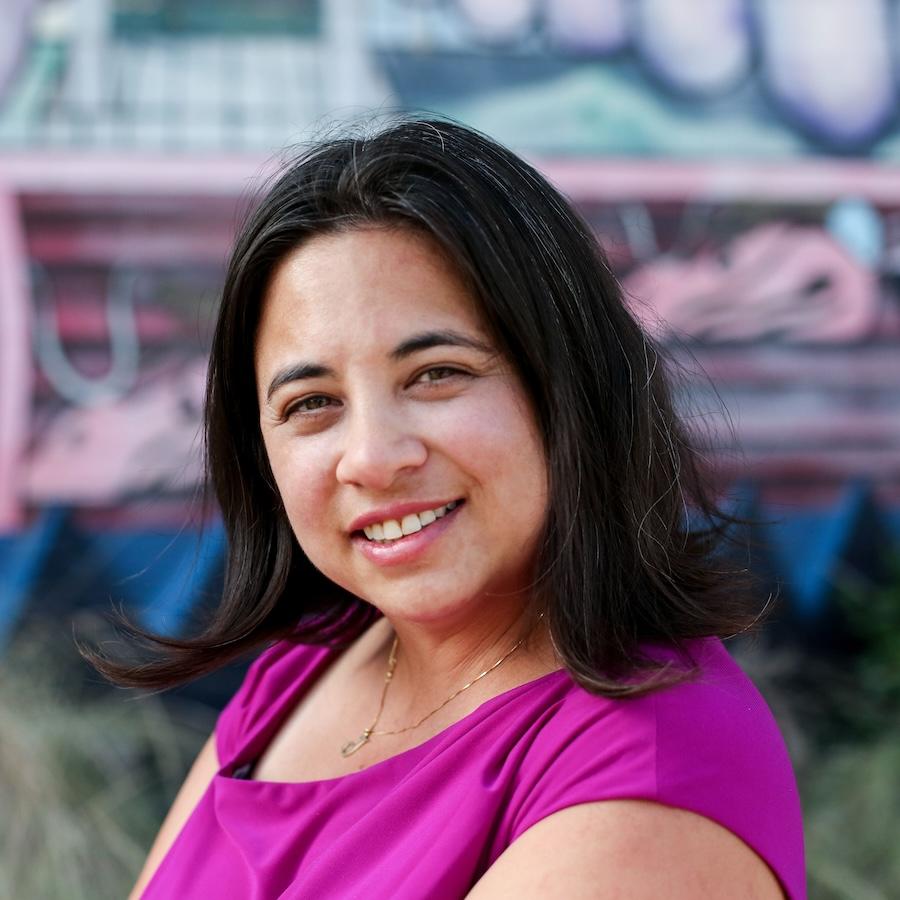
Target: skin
[{"x": 445, "y": 422}]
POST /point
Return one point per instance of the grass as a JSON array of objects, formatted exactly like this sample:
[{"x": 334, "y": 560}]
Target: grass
[
  {"x": 841, "y": 719},
  {"x": 852, "y": 801},
  {"x": 852, "y": 783},
  {"x": 84, "y": 780}
]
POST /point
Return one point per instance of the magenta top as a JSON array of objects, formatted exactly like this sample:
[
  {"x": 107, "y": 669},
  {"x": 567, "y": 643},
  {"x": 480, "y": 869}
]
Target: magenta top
[{"x": 431, "y": 820}]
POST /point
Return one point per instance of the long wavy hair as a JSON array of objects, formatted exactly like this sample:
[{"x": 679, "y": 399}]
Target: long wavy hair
[{"x": 631, "y": 550}]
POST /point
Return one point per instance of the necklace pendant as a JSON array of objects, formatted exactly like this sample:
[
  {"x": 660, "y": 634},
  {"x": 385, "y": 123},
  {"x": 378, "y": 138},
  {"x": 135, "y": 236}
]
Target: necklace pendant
[{"x": 352, "y": 746}]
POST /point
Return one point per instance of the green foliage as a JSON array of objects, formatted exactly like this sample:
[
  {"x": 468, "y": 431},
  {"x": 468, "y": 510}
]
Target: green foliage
[
  {"x": 84, "y": 782},
  {"x": 850, "y": 778},
  {"x": 840, "y": 716},
  {"x": 851, "y": 782},
  {"x": 873, "y": 613},
  {"x": 851, "y": 799}
]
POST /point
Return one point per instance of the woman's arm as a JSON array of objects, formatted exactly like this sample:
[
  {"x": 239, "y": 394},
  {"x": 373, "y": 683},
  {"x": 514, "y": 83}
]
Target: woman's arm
[
  {"x": 627, "y": 848},
  {"x": 204, "y": 768}
]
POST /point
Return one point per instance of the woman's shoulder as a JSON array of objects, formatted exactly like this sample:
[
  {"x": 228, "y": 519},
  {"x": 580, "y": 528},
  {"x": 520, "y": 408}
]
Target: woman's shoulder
[
  {"x": 713, "y": 687},
  {"x": 717, "y": 714},
  {"x": 708, "y": 744},
  {"x": 715, "y": 691},
  {"x": 703, "y": 739}
]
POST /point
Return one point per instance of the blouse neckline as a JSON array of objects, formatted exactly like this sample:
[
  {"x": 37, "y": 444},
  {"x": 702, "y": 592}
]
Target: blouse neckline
[{"x": 260, "y": 742}]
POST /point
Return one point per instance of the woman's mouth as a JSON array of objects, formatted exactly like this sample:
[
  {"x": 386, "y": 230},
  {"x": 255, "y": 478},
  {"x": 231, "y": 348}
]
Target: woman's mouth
[
  {"x": 416, "y": 533},
  {"x": 394, "y": 529}
]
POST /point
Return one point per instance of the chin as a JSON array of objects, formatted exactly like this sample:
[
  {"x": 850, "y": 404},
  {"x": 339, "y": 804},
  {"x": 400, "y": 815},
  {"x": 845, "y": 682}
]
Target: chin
[{"x": 424, "y": 608}]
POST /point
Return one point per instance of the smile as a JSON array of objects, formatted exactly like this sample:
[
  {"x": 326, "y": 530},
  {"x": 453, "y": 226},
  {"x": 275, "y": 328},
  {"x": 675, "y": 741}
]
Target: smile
[
  {"x": 393, "y": 529},
  {"x": 409, "y": 548}
]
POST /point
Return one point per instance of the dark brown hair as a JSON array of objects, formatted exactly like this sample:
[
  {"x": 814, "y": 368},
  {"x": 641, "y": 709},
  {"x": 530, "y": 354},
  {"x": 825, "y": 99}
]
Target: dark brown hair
[{"x": 621, "y": 562}]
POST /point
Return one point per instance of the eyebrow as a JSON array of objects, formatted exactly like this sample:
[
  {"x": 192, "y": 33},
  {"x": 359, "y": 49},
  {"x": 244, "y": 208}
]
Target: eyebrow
[{"x": 414, "y": 344}]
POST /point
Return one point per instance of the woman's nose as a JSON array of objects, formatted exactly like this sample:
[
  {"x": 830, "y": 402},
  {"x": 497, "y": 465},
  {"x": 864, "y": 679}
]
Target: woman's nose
[{"x": 378, "y": 448}]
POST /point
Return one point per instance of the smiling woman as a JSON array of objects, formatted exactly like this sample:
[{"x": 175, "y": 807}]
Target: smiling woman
[
  {"x": 413, "y": 409},
  {"x": 456, "y": 493}
]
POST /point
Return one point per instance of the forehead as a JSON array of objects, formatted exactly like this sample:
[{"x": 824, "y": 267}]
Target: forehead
[{"x": 358, "y": 290}]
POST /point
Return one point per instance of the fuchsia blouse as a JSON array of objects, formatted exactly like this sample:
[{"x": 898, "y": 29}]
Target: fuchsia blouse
[{"x": 428, "y": 822}]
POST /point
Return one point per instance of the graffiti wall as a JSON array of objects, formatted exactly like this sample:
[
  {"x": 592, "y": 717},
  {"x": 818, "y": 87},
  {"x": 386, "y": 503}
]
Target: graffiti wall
[
  {"x": 737, "y": 164},
  {"x": 758, "y": 79}
]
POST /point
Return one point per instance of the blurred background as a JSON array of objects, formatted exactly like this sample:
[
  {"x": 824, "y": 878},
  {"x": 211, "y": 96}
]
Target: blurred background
[{"x": 736, "y": 158}]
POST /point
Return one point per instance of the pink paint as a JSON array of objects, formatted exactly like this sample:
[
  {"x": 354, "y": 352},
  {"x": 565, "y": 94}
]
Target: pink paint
[
  {"x": 15, "y": 359},
  {"x": 174, "y": 208},
  {"x": 794, "y": 283},
  {"x": 823, "y": 367},
  {"x": 766, "y": 422},
  {"x": 804, "y": 181},
  {"x": 80, "y": 320},
  {"x": 147, "y": 442},
  {"x": 110, "y": 172},
  {"x": 811, "y": 465},
  {"x": 132, "y": 242}
]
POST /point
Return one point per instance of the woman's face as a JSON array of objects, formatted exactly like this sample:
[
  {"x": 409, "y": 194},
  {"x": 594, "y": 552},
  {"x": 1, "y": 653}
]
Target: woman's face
[{"x": 383, "y": 401}]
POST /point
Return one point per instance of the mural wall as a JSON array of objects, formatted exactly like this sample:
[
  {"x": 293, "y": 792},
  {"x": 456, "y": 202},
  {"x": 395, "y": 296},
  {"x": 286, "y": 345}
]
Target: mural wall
[{"x": 736, "y": 163}]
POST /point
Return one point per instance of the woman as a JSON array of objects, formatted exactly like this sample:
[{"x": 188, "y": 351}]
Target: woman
[{"x": 456, "y": 496}]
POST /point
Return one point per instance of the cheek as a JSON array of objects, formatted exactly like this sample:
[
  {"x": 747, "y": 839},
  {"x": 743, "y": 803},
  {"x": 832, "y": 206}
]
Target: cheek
[
  {"x": 302, "y": 483},
  {"x": 500, "y": 444}
]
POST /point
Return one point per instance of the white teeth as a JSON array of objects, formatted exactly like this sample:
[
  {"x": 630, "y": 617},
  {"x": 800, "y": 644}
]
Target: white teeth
[
  {"x": 411, "y": 524},
  {"x": 392, "y": 529},
  {"x": 443, "y": 510}
]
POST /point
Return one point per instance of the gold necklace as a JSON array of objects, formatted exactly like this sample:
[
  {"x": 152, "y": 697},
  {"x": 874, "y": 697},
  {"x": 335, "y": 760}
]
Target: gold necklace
[{"x": 352, "y": 746}]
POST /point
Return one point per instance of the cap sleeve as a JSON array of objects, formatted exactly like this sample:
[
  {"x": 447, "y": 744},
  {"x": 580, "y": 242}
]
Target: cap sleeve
[
  {"x": 709, "y": 746},
  {"x": 721, "y": 754}
]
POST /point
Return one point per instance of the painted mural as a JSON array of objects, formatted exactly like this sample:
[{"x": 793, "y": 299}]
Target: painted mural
[
  {"x": 734, "y": 158},
  {"x": 758, "y": 79}
]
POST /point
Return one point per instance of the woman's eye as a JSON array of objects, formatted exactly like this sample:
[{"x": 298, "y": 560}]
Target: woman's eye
[
  {"x": 438, "y": 373},
  {"x": 307, "y": 405},
  {"x": 310, "y": 406}
]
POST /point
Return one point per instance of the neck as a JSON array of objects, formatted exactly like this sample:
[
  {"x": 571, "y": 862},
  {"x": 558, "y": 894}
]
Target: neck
[{"x": 434, "y": 663}]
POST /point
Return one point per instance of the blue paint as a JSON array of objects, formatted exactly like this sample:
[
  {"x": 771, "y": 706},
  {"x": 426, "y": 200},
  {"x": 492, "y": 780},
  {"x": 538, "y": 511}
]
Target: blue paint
[
  {"x": 22, "y": 559},
  {"x": 857, "y": 226},
  {"x": 160, "y": 575},
  {"x": 808, "y": 546}
]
